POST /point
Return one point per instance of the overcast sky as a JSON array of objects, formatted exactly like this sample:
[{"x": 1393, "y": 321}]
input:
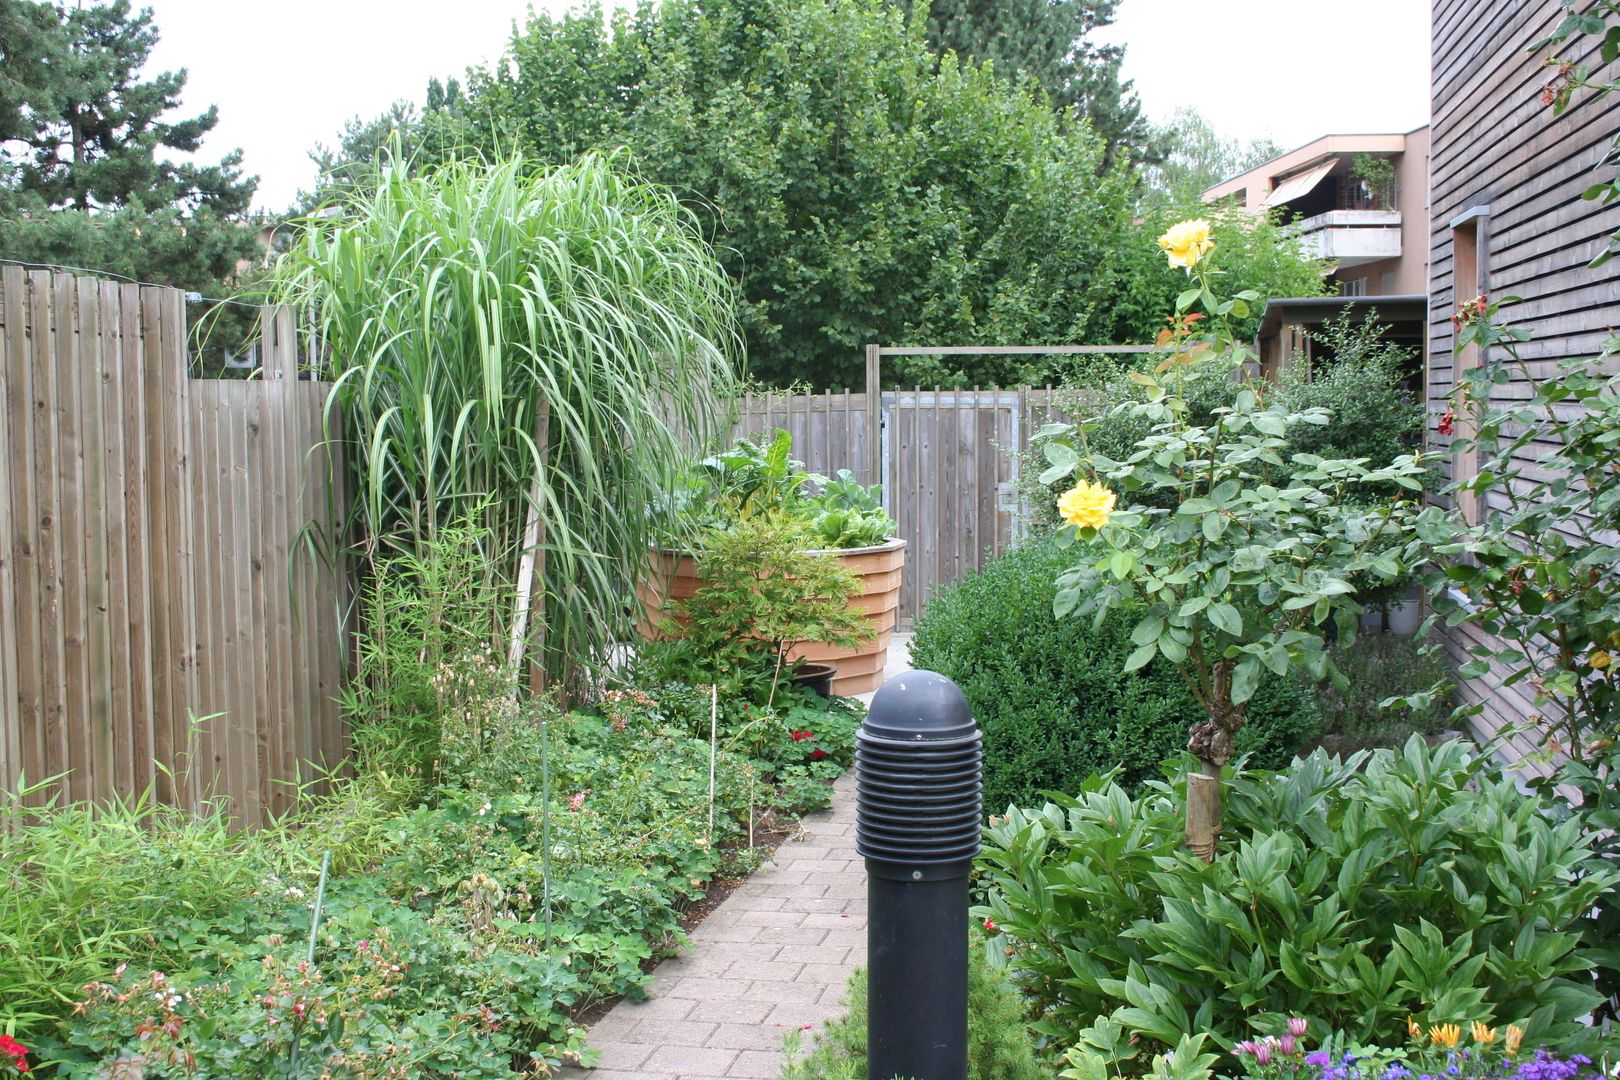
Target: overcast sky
[{"x": 287, "y": 76}]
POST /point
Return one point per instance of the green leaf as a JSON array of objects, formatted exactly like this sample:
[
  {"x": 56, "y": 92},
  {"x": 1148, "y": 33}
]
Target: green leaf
[
  {"x": 1186, "y": 300},
  {"x": 1244, "y": 680},
  {"x": 1225, "y": 617},
  {"x": 1147, "y": 631},
  {"x": 1214, "y": 526},
  {"x": 1140, "y": 657}
]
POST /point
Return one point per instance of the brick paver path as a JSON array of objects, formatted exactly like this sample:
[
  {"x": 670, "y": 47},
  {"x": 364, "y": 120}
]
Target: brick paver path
[{"x": 773, "y": 957}]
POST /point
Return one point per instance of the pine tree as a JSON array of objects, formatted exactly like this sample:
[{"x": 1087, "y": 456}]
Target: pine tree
[{"x": 82, "y": 144}]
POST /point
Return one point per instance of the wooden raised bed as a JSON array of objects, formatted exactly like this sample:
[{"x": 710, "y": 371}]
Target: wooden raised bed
[{"x": 674, "y": 576}]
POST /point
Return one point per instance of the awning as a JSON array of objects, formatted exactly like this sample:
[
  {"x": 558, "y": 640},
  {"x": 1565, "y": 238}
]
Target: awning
[{"x": 1300, "y": 185}]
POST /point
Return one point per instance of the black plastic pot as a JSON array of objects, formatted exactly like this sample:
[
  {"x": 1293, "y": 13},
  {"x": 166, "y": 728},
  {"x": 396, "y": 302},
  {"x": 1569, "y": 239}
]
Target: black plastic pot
[{"x": 818, "y": 677}]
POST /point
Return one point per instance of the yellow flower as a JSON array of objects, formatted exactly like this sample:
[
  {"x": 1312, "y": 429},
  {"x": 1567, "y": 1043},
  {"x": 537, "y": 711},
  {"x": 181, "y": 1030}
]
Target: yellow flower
[
  {"x": 1482, "y": 1034},
  {"x": 1446, "y": 1035},
  {"x": 1086, "y": 505},
  {"x": 1515, "y": 1036},
  {"x": 1600, "y": 660},
  {"x": 1413, "y": 1028},
  {"x": 1186, "y": 242}
]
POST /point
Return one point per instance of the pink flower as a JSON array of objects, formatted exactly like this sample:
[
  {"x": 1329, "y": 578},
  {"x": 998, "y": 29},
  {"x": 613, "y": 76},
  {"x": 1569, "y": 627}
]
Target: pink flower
[
  {"x": 1262, "y": 1053},
  {"x": 990, "y": 926},
  {"x": 1297, "y": 1026},
  {"x": 578, "y": 799},
  {"x": 1288, "y": 1045}
]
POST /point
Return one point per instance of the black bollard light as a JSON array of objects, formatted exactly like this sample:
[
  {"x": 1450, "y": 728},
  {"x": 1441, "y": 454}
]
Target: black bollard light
[{"x": 917, "y": 822}]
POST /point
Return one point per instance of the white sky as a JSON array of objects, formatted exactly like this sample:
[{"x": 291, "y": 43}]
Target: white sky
[{"x": 287, "y": 76}]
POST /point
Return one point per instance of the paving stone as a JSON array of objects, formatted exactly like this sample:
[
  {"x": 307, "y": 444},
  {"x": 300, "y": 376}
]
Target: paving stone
[{"x": 678, "y": 1059}]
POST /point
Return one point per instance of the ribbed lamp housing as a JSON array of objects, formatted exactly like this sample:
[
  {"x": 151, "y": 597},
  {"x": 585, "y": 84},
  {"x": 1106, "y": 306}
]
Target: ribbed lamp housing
[{"x": 918, "y": 791}]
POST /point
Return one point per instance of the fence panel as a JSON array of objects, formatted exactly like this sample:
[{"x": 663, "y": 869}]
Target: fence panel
[{"x": 152, "y": 563}]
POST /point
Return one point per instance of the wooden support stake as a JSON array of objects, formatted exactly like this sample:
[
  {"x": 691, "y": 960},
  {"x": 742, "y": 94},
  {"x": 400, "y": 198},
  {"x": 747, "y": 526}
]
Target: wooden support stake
[{"x": 1203, "y": 814}]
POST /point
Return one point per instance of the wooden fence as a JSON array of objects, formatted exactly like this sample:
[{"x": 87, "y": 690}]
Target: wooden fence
[
  {"x": 949, "y": 460},
  {"x": 158, "y": 623}
]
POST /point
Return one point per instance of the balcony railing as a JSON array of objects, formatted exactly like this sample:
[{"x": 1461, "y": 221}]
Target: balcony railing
[{"x": 1351, "y": 236}]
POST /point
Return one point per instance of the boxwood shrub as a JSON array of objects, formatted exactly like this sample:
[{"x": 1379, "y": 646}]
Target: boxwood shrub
[{"x": 1049, "y": 695}]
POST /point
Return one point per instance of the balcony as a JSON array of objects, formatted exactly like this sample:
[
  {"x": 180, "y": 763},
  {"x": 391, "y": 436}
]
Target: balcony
[{"x": 1351, "y": 237}]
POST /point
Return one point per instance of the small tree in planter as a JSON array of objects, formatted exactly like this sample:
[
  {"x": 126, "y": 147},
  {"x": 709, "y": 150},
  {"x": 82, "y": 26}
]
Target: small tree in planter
[
  {"x": 763, "y": 594},
  {"x": 1238, "y": 570}
]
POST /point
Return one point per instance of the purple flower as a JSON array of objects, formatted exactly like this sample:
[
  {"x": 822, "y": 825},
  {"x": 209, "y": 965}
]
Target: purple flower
[
  {"x": 1320, "y": 1058},
  {"x": 1297, "y": 1026}
]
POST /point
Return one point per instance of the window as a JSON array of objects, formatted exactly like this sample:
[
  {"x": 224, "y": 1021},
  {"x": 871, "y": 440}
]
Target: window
[
  {"x": 1467, "y": 282},
  {"x": 1353, "y": 287}
]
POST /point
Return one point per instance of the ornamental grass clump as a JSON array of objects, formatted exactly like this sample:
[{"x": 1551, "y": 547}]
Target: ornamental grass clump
[
  {"x": 531, "y": 344},
  {"x": 1238, "y": 561}
]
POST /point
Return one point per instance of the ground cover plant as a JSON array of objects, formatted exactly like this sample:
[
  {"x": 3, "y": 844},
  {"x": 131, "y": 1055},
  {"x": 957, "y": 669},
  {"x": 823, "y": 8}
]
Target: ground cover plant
[
  {"x": 1359, "y": 894},
  {"x": 461, "y": 928},
  {"x": 1052, "y": 697}
]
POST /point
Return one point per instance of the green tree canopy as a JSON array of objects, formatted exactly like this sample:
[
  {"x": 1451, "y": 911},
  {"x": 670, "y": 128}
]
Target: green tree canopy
[
  {"x": 85, "y": 140},
  {"x": 1199, "y": 157},
  {"x": 857, "y": 185},
  {"x": 1050, "y": 42}
]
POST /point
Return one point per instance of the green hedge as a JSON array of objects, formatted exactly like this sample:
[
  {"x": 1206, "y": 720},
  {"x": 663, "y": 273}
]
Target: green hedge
[{"x": 1049, "y": 695}]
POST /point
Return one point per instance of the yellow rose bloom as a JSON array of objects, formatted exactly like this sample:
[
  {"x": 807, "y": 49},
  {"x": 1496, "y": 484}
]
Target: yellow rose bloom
[
  {"x": 1186, "y": 242},
  {"x": 1446, "y": 1035},
  {"x": 1086, "y": 505}
]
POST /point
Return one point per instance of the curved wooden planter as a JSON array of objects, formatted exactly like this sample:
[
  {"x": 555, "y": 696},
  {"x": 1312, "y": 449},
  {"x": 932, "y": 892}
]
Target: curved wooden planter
[{"x": 675, "y": 576}]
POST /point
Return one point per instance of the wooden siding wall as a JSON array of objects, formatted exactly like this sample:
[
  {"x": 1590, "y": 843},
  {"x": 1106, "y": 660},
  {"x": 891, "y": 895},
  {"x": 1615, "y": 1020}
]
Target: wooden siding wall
[
  {"x": 148, "y": 573},
  {"x": 1495, "y": 143}
]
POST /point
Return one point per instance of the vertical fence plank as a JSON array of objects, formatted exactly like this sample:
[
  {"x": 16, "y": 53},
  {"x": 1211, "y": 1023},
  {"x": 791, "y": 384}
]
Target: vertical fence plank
[
  {"x": 167, "y": 696},
  {"x": 22, "y": 525},
  {"x": 70, "y": 514},
  {"x": 177, "y": 472},
  {"x": 212, "y": 738},
  {"x": 137, "y": 616},
  {"x": 47, "y": 488},
  {"x": 10, "y": 689},
  {"x": 97, "y": 598},
  {"x": 121, "y": 708}
]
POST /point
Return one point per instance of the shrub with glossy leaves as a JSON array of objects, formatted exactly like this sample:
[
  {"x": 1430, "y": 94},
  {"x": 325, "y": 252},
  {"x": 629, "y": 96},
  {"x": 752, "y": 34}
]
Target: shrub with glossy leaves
[
  {"x": 1051, "y": 696},
  {"x": 1420, "y": 883}
]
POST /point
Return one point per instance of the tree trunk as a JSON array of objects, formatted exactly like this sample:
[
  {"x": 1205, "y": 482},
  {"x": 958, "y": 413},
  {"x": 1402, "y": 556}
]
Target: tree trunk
[{"x": 1211, "y": 740}]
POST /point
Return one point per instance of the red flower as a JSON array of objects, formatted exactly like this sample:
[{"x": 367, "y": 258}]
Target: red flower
[
  {"x": 16, "y": 1051},
  {"x": 1447, "y": 423},
  {"x": 800, "y": 736},
  {"x": 817, "y": 754},
  {"x": 990, "y": 926}
]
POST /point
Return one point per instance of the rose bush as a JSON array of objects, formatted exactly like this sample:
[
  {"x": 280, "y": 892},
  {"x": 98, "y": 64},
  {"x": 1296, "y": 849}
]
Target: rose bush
[{"x": 1237, "y": 561}]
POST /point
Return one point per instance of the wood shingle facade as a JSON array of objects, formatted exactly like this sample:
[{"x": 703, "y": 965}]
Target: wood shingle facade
[{"x": 1507, "y": 219}]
